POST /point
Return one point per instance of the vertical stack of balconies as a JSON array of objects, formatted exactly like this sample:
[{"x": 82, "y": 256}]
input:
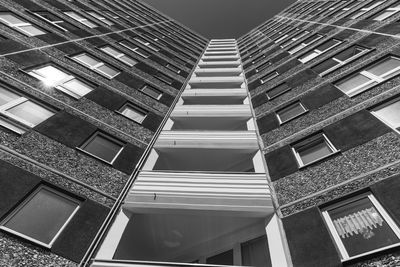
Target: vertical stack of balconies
[{"x": 202, "y": 196}]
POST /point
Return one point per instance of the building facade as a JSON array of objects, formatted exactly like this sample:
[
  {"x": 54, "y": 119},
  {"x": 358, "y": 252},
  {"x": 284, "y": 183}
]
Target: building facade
[{"x": 129, "y": 140}]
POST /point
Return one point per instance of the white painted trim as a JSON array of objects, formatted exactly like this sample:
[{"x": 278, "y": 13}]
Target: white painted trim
[
  {"x": 110, "y": 243},
  {"x": 151, "y": 160},
  {"x": 276, "y": 243}
]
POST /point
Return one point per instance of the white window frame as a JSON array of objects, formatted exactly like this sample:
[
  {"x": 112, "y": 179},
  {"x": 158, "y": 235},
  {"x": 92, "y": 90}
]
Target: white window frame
[
  {"x": 173, "y": 68},
  {"x": 263, "y": 66},
  {"x": 294, "y": 39},
  {"x": 100, "y": 18},
  {"x": 150, "y": 86},
  {"x": 280, "y": 39},
  {"x": 303, "y": 45},
  {"x": 342, "y": 63},
  {"x": 12, "y": 122},
  {"x": 280, "y": 93},
  {"x": 276, "y": 74},
  {"x": 137, "y": 109},
  {"x": 364, "y": 10},
  {"x": 59, "y": 84},
  {"x": 135, "y": 50},
  {"x": 20, "y": 206},
  {"x": 54, "y": 23},
  {"x": 148, "y": 44},
  {"x": 119, "y": 56},
  {"x": 105, "y": 136},
  {"x": 164, "y": 78},
  {"x": 305, "y": 110},
  {"x": 317, "y": 52},
  {"x": 319, "y": 135},
  {"x": 374, "y": 80},
  {"x": 81, "y": 19},
  {"x": 394, "y": 127},
  {"x": 394, "y": 9},
  {"x": 336, "y": 237},
  {"x": 97, "y": 66},
  {"x": 17, "y": 26}
]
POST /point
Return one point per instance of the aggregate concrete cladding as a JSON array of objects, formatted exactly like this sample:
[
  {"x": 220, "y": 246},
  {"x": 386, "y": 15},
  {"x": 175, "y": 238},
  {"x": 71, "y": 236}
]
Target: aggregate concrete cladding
[
  {"x": 67, "y": 160},
  {"x": 365, "y": 100},
  {"x": 14, "y": 253},
  {"x": 337, "y": 169},
  {"x": 56, "y": 179},
  {"x": 116, "y": 120},
  {"x": 386, "y": 260},
  {"x": 340, "y": 191}
]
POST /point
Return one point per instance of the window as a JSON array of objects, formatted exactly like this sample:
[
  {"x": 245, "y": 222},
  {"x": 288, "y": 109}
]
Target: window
[
  {"x": 387, "y": 13},
  {"x": 54, "y": 77},
  {"x": 18, "y": 113},
  {"x": 290, "y": 112},
  {"x": 56, "y": 21},
  {"x": 312, "y": 149},
  {"x": 360, "y": 226},
  {"x": 151, "y": 91},
  {"x": 133, "y": 112},
  {"x": 103, "y": 147},
  {"x": 144, "y": 42},
  {"x": 119, "y": 55},
  {"x": 96, "y": 65},
  {"x": 42, "y": 216},
  {"x": 263, "y": 66},
  {"x": 269, "y": 77},
  {"x": 173, "y": 68},
  {"x": 328, "y": 45},
  {"x": 281, "y": 38},
  {"x": 101, "y": 18},
  {"x": 365, "y": 9},
  {"x": 255, "y": 252},
  {"x": 20, "y": 25},
  {"x": 164, "y": 78},
  {"x": 370, "y": 76},
  {"x": 340, "y": 59},
  {"x": 135, "y": 49},
  {"x": 256, "y": 60},
  {"x": 389, "y": 113},
  {"x": 305, "y": 43},
  {"x": 294, "y": 39},
  {"x": 277, "y": 91},
  {"x": 81, "y": 19}
]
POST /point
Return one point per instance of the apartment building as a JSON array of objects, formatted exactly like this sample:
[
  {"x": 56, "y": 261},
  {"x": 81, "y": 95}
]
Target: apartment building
[{"x": 129, "y": 140}]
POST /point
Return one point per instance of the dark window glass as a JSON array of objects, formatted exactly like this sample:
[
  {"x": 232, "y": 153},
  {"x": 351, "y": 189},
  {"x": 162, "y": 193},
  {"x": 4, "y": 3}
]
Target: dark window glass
[{"x": 103, "y": 147}]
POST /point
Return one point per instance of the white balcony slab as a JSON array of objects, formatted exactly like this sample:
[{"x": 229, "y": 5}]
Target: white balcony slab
[
  {"x": 208, "y": 139},
  {"x": 122, "y": 263},
  {"x": 182, "y": 191},
  {"x": 216, "y": 71},
  {"x": 219, "y": 64},
  {"x": 219, "y": 58},
  {"x": 220, "y": 53},
  {"x": 212, "y": 111},
  {"x": 215, "y": 92}
]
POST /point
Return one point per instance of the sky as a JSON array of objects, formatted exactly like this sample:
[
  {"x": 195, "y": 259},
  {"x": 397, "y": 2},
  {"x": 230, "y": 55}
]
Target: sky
[{"x": 220, "y": 18}]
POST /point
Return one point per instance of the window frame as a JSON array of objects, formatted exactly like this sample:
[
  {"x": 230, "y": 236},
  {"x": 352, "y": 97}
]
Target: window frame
[
  {"x": 152, "y": 87},
  {"x": 59, "y": 85},
  {"x": 394, "y": 9},
  {"x": 96, "y": 67},
  {"x": 119, "y": 57},
  {"x": 275, "y": 74},
  {"x": 17, "y": 26},
  {"x": 297, "y": 48},
  {"x": 99, "y": 17},
  {"x": 336, "y": 238},
  {"x": 13, "y": 122},
  {"x": 318, "y": 52},
  {"x": 146, "y": 43},
  {"x": 384, "y": 104},
  {"x": 342, "y": 63},
  {"x": 136, "y": 108},
  {"x": 305, "y": 110},
  {"x": 26, "y": 200},
  {"x": 105, "y": 136},
  {"x": 135, "y": 50},
  {"x": 81, "y": 19},
  {"x": 295, "y": 147},
  {"x": 373, "y": 79},
  {"x": 362, "y": 11},
  {"x": 54, "y": 23},
  {"x": 288, "y": 88}
]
